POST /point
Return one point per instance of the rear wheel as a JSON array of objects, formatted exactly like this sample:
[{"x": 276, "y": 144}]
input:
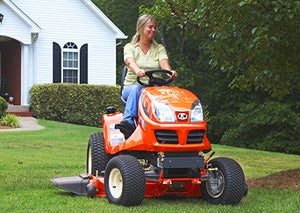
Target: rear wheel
[
  {"x": 97, "y": 158},
  {"x": 226, "y": 185},
  {"x": 124, "y": 181}
]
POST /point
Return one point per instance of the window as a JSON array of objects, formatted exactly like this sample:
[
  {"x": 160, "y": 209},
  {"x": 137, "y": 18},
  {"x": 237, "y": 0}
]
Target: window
[{"x": 70, "y": 63}]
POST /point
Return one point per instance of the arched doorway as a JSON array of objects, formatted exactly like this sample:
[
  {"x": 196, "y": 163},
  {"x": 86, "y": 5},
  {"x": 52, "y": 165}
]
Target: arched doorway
[{"x": 10, "y": 66}]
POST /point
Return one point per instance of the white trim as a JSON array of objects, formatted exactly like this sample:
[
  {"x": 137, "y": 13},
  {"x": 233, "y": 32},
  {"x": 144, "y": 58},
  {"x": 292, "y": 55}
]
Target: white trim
[{"x": 24, "y": 74}]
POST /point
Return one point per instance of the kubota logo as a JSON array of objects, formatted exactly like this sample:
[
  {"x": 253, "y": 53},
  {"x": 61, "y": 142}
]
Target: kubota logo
[{"x": 182, "y": 116}]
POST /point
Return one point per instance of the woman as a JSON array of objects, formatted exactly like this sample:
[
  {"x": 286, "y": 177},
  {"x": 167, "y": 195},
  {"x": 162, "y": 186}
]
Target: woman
[{"x": 141, "y": 54}]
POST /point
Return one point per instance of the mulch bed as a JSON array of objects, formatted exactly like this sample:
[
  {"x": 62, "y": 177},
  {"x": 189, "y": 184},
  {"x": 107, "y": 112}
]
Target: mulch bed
[
  {"x": 6, "y": 127},
  {"x": 289, "y": 179}
]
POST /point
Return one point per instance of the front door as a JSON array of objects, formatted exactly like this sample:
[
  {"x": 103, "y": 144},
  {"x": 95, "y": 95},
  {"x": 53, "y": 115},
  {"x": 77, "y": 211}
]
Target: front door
[{"x": 10, "y": 67}]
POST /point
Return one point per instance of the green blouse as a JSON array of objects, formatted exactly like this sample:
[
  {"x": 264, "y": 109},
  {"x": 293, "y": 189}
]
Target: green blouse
[{"x": 147, "y": 61}]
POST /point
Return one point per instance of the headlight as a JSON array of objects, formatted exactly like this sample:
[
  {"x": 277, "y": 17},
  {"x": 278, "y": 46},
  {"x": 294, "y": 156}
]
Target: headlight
[
  {"x": 163, "y": 112},
  {"x": 196, "y": 112}
]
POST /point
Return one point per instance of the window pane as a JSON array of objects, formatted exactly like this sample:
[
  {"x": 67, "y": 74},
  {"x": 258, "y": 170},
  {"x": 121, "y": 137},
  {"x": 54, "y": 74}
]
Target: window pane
[
  {"x": 70, "y": 76},
  {"x": 70, "y": 60},
  {"x": 70, "y": 56}
]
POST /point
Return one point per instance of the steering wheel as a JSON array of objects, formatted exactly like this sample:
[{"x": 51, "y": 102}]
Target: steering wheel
[{"x": 157, "y": 81}]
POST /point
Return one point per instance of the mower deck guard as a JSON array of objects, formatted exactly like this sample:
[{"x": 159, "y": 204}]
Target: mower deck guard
[{"x": 74, "y": 184}]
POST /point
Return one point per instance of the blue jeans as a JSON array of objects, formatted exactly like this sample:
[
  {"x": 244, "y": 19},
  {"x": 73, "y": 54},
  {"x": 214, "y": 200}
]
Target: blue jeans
[{"x": 131, "y": 94}]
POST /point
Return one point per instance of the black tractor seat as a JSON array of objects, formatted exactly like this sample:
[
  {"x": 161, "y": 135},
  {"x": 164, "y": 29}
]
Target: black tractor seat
[{"x": 124, "y": 72}]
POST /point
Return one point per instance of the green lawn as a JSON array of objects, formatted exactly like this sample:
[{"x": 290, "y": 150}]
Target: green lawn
[{"x": 30, "y": 158}]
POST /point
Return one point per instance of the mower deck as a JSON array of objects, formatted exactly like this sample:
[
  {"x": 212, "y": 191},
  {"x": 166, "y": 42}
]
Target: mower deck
[
  {"x": 75, "y": 184},
  {"x": 189, "y": 187}
]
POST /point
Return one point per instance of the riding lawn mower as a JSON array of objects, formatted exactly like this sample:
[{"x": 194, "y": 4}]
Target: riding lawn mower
[{"x": 168, "y": 154}]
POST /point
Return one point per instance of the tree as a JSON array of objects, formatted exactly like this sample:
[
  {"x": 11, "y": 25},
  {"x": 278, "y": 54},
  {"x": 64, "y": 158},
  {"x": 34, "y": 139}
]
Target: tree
[
  {"x": 255, "y": 42},
  {"x": 258, "y": 42}
]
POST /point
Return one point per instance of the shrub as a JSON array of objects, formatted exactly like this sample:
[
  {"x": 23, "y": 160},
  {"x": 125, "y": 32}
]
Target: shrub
[
  {"x": 3, "y": 106},
  {"x": 72, "y": 103},
  {"x": 271, "y": 126},
  {"x": 10, "y": 120}
]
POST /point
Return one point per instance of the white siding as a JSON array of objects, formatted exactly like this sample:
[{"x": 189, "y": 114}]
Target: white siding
[
  {"x": 72, "y": 21},
  {"x": 13, "y": 26}
]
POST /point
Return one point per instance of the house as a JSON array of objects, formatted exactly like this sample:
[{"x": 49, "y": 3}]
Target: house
[{"x": 57, "y": 41}]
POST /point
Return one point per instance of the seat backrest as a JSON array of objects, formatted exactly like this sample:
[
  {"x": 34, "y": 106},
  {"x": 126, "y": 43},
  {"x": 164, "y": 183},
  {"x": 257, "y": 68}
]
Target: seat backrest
[{"x": 124, "y": 72}]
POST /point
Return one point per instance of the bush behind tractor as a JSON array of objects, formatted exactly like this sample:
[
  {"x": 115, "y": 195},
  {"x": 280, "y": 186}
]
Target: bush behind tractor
[{"x": 167, "y": 154}]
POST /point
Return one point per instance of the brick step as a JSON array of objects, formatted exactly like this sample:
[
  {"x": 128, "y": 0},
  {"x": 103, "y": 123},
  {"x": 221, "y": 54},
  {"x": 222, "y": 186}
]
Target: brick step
[
  {"x": 19, "y": 110},
  {"x": 21, "y": 114}
]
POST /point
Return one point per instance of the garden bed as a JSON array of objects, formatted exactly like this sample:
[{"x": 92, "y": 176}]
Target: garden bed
[{"x": 289, "y": 179}]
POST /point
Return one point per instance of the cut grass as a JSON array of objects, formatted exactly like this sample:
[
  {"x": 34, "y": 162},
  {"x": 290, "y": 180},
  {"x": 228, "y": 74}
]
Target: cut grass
[{"x": 30, "y": 158}]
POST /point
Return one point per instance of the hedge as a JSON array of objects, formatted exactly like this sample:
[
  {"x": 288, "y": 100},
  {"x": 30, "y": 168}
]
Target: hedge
[
  {"x": 72, "y": 103},
  {"x": 3, "y": 106}
]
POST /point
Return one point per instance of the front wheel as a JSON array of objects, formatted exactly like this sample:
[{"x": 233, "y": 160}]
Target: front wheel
[
  {"x": 124, "y": 181},
  {"x": 226, "y": 183},
  {"x": 97, "y": 157}
]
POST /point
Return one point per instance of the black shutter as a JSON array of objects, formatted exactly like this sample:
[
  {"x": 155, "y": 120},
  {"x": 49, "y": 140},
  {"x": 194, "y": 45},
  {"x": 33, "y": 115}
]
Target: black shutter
[
  {"x": 56, "y": 63},
  {"x": 84, "y": 64}
]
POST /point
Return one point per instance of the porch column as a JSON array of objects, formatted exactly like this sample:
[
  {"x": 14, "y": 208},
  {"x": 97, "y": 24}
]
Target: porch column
[{"x": 24, "y": 74}]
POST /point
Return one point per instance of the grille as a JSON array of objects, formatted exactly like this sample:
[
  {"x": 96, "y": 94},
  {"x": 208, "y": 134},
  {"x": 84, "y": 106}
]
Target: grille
[
  {"x": 195, "y": 136},
  {"x": 166, "y": 136},
  {"x": 171, "y": 137}
]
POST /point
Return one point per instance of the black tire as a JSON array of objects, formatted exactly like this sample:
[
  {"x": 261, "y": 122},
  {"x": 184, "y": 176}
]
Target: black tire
[
  {"x": 97, "y": 158},
  {"x": 91, "y": 190},
  {"x": 124, "y": 181},
  {"x": 226, "y": 186}
]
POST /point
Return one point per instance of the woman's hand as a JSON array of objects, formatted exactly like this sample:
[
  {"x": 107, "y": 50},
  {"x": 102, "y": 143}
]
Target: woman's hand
[
  {"x": 141, "y": 73},
  {"x": 174, "y": 74}
]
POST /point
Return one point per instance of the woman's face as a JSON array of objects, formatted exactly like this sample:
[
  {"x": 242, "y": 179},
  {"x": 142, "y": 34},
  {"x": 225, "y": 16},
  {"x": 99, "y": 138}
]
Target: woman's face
[{"x": 149, "y": 30}]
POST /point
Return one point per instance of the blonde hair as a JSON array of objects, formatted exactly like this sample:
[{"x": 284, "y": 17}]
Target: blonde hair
[{"x": 140, "y": 25}]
